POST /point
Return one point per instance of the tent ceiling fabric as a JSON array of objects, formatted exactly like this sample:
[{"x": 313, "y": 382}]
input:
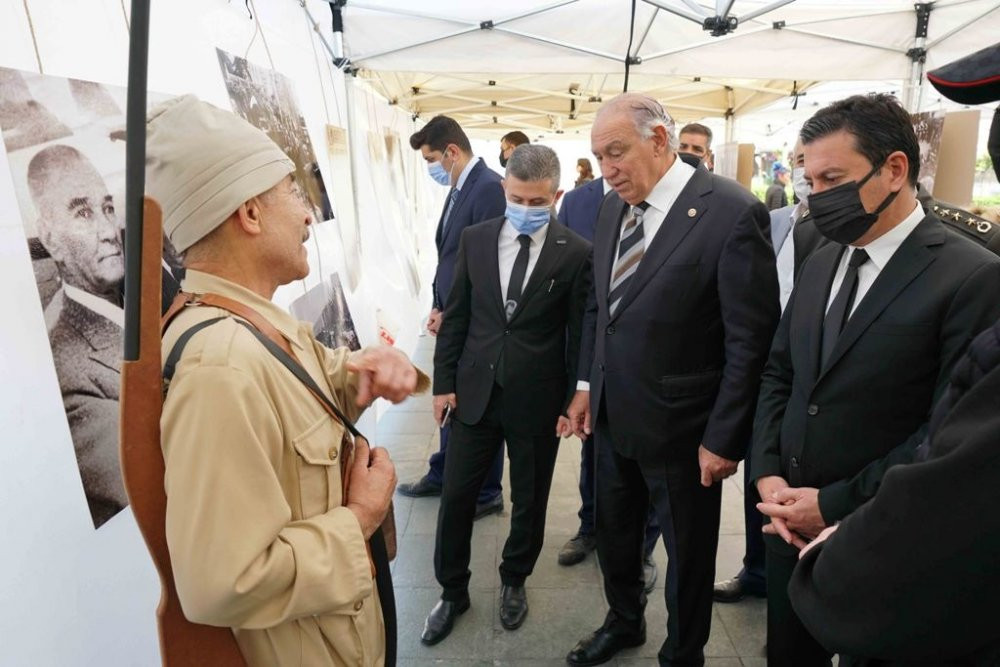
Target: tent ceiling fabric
[{"x": 438, "y": 56}]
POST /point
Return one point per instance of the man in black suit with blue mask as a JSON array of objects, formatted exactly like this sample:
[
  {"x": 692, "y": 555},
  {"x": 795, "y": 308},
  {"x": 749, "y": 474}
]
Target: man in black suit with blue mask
[
  {"x": 504, "y": 370},
  {"x": 474, "y": 195}
]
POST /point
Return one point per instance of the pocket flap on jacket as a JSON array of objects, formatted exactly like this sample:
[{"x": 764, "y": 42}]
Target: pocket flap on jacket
[
  {"x": 690, "y": 384},
  {"x": 320, "y": 443}
]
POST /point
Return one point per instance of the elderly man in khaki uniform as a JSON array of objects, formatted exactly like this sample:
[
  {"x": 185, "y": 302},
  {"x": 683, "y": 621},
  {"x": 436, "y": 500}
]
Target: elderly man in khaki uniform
[{"x": 261, "y": 536}]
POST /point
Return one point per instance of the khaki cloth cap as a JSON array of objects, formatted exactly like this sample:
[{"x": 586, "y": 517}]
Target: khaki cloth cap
[{"x": 202, "y": 163}]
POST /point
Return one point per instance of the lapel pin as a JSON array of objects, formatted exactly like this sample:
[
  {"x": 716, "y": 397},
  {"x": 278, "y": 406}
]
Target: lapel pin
[
  {"x": 560, "y": 241},
  {"x": 692, "y": 212}
]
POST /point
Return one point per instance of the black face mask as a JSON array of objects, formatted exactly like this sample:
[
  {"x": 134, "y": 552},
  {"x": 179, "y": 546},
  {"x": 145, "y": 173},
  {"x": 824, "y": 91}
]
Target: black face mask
[
  {"x": 503, "y": 160},
  {"x": 690, "y": 158},
  {"x": 839, "y": 214}
]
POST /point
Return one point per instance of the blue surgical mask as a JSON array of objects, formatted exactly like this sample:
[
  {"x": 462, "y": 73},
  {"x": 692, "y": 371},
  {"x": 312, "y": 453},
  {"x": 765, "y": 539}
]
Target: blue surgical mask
[
  {"x": 527, "y": 219},
  {"x": 438, "y": 173}
]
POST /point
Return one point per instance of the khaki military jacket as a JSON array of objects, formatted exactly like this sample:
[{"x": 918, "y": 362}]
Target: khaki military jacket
[{"x": 258, "y": 536}]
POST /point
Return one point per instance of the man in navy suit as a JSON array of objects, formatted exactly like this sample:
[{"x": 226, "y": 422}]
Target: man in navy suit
[{"x": 475, "y": 194}]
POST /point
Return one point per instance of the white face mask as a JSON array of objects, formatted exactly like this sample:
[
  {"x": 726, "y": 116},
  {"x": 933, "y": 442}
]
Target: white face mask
[{"x": 800, "y": 186}]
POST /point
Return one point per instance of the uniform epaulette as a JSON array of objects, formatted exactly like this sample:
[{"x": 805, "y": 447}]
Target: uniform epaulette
[{"x": 979, "y": 229}]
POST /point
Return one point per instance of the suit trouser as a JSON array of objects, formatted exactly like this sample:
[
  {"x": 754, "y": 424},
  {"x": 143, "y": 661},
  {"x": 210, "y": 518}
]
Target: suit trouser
[
  {"x": 753, "y": 576},
  {"x": 588, "y": 468},
  {"x": 473, "y": 449},
  {"x": 492, "y": 486},
  {"x": 689, "y": 519},
  {"x": 788, "y": 641}
]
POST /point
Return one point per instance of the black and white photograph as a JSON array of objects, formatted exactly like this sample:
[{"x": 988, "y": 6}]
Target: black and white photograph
[
  {"x": 342, "y": 184},
  {"x": 266, "y": 99},
  {"x": 928, "y": 125},
  {"x": 65, "y": 144},
  {"x": 326, "y": 307}
]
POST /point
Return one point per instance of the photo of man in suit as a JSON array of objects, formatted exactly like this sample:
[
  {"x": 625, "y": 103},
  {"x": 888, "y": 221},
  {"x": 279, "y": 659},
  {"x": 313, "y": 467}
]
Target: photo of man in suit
[
  {"x": 474, "y": 195},
  {"x": 504, "y": 366},
  {"x": 681, "y": 313},
  {"x": 874, "y": 324},
  {"x": 79, "y": 227}
]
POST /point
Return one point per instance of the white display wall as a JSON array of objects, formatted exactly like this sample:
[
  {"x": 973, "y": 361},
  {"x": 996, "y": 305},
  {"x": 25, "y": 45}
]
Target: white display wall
[{"x": 76, "y": 595}]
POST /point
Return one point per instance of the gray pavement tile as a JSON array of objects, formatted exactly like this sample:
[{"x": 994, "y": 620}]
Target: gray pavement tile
[
  {"x": 557, "y": 618},
  {"x": 729, "y": 557},
  {"x": 753, "y": 662},
  {"x": 746, "y": 624},
  {"x": 550, "y": 574},
  {"x": 718, "y": 646},
  {"x": 415, "y": 563},
  {"x": 394, "y": 423}
]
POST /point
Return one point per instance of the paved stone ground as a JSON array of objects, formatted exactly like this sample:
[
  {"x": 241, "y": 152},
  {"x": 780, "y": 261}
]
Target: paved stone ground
[{"x": 565, "y": 603}]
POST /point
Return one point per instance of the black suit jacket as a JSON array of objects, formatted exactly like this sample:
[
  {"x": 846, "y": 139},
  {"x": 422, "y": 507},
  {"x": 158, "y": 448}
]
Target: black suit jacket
[
  {"x": 580, "y": 206},
  {"x": 679, "y": 363},
  {"x": 481, "y": 198},
  {"x": 918, "y": 563},
  {"x": 540, "y": 344},
  {"x": 839, "y": 430}
]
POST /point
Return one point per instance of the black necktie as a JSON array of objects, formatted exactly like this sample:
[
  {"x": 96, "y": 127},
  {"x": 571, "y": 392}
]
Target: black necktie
[
  {"x": 517, "y": 275},
  {"x": 840, "y": 309}
]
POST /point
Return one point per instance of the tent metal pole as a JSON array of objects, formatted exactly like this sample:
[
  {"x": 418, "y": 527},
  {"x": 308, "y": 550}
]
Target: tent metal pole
[
  {"x": 645, "y": 34},
  {"x": 940, "y": 38},
  {"x": 714, "y": 40},
  {"x": 684, "y": 14},
  {"x": 723, "y": 7},
  {"x": 913, "y": 93},
  {"x": 845, "y": 40},
  {"x": 559, "y": 43},
  {"x": 695, "y": 7},
  {"x": 730, "y": 114},
  {"x": 764, "y": 10}
]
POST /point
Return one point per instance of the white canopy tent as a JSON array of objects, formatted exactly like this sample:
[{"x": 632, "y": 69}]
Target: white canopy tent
[{"x": 547, "y": 65}]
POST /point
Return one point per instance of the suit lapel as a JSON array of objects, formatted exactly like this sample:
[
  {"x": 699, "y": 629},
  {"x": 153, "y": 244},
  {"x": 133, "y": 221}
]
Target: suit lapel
[
  {"x": 492, "y": 262},
  {"x": 548, "y": 259},
  {"x": 815, "y": 301},
  {"x": 680, "y": 219},
  {"x": 606, "y": 241},
  {"x": 908, "y": 262},
  {"x": 463, "y": 195}
]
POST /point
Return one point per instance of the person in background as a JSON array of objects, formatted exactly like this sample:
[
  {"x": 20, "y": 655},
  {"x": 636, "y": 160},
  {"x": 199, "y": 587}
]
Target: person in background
[
  {"x": 474, "y": 195},
  {"x": 776, "y": 197},
  {"x": 509, "y": 142},
  {"x": 264, "y": 537},
  {"x": 876, "y": 320},
  {"x": 504, "y": 369},
  {"x": 584, "y": 172},
  {"x": 695, "y": 142}
]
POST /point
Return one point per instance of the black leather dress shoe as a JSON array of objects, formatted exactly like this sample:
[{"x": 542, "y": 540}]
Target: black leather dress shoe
[
  {"x": 494, "y": 506},
  {"x": 649, "y": 574},
  {"x": 733, "y": 590},
  {"x": 601, "y": 646},
  {"x": 513, "y": 606},
  {"x": 441, "y": 620},
  {"x": 421, "y": 488},
  {"x": 577, "y": 549}
]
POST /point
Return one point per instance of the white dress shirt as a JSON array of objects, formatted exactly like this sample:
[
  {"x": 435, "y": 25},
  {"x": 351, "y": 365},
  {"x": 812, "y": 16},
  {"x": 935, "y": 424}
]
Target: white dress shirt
[
  {"x": 786, "y": 259},
  {"x": 880, "y": 251},
  {"x": 660, "y": 200},
  {"x": 458, "y": 188},
  {"x": 99, "y": 305},
  {"x": 507, "y": 248},
  {"x": 662, "y": 197}
]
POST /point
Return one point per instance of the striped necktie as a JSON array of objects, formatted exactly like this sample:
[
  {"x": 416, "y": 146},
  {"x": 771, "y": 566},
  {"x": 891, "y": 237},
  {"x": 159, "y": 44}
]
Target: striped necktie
[{"x": 630, "y": 251}]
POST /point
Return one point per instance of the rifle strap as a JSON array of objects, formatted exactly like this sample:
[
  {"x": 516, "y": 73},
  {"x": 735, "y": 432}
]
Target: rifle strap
[{"x": 279, "y": 347}]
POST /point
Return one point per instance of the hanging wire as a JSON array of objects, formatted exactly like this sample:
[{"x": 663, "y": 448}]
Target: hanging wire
[
  {"x": 34, "y": 40},
  {"x": 628, "y": 52}
]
